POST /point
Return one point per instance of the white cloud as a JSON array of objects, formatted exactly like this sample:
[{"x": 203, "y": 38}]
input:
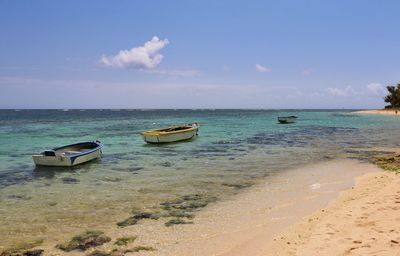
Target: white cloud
[
  {"x": 376, "y": 89},
  {"x": 348, "y": 91},
  {"x": 142, "y": 57},
  {"x": 262, "y": 69}
]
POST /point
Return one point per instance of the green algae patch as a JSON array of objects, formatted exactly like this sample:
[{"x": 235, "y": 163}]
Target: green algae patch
[
  {"x": 119, "y": 252},
  {"x": 177, "y": 221},
  {"x": 188, "y": 202},
  {"x": 99, "y": 253},
  {"x": 141, "y": 248},
  {"x": 184, "y": 206},
  {"x": 85, "y": 241},
  {"x": 180, "y": 214},
  {"x": 11, "y": 252},
  {"x": 122, "y": 241},
  {"x": 239, "y": 185},
  {"x": 389, "y": 163},
  {"x": 127, "y": 222},
  {"x": 178, "y": 208},
  {"x": 132, "y": 220},
  {"x": 24, "y": 249},
  {"x": 35, "y": 252}
]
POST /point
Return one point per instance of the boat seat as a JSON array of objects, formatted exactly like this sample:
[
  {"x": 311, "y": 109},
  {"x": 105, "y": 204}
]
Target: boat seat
[
  {"x": 71, "y": 152},
  {"x": 49, "y": 153}
]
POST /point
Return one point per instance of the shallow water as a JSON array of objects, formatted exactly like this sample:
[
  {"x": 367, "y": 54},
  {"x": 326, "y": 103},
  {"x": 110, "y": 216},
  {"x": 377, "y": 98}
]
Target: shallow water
[{"x": 234, "y": 149}]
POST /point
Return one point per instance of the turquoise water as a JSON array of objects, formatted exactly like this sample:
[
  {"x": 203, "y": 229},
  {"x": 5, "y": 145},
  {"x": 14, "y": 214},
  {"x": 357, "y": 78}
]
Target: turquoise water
[{"x": 234, "y": 149}]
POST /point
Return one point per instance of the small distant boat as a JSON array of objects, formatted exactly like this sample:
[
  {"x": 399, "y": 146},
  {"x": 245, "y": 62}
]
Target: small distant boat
[
  {"x": 69, "y": 155},
  {"x": 287, "y": 119},
  {"x": 171, "y": 134}
]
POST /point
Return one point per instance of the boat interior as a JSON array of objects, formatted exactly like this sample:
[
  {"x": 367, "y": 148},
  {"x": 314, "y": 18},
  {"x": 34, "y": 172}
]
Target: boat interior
[
  {"x": 71, "y": 149},
  {"x": 176, "y": 128}
]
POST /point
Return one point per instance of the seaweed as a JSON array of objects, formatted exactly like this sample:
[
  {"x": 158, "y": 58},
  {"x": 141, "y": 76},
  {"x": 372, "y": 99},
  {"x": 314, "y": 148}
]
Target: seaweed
[
  {"x": 84, "y": 241},
  {"x": 241, "y": 185},
  {"x": 141, "y": 248},
  {"x": 125, "y": 240},
  {"x": 132, "y": 220},
  {"x": 99, "y": 253},
  {"x": 180, "y": 214},
  {"x": 177, "y": 221},
  {"x": 24, "y": 249},
  {"x": 127, "y": 222},
  {"x": 188, "y": 202},
  {"x": 69, "y": 180},
  {"x": 389, "y": 163}
]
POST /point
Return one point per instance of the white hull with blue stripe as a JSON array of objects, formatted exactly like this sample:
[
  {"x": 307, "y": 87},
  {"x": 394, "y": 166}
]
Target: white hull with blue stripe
[{"x": 69, "y": 155}]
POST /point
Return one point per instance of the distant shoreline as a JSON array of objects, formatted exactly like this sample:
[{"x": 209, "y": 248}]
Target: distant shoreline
[{"x": 388, "y": 112}]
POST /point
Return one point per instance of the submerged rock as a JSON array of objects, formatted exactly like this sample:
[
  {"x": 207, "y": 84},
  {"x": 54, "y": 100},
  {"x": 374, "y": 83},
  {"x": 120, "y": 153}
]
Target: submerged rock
[
  {"x": 177, "y": 221},
  {"x": 136, "y": 217},
  {"x": 99, "y": 253},
  {"x": 166, "y": 164},
  {"x": 189, "y": 202},
  {"x": 134, "y": 169},
  {"x": 119, "y": 252},
  {"x": 127, "y": 222},
  {"x": 111, "y": 179},
  {"x": 19, "y": 197},
  {"x": 238, "y": 185},
  {"x": 36, "y": 252},
  {"x": 141, "y": 248},
  {"x": 390, "y": 163},
  {"x": 143, "y": 215},
  {"x": 125, "y": 240},
  {"x": 84, "y": 241},
  {"x": 69, "y": 180},
  {"x": 181, "y": 214},
  {"x": 24, "y": 249}
]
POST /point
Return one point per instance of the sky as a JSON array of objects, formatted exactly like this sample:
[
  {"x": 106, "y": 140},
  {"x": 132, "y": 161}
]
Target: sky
[{"x": 198, "y": 54}]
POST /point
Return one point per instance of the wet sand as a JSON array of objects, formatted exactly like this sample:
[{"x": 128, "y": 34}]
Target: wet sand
[{"x": 388, "y": 112}]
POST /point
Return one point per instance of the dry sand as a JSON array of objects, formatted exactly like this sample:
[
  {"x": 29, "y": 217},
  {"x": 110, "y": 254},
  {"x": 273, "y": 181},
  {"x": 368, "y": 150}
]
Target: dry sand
[
  {"x": 388, "y": 112},
  {"x": 362, "y": 221}
]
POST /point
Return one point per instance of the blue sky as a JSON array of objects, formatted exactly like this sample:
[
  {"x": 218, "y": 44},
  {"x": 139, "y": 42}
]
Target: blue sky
[{"x": 198, "y": 54}]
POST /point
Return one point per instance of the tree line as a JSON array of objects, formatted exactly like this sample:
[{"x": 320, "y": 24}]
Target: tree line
[{"x": 393, "y": 96}]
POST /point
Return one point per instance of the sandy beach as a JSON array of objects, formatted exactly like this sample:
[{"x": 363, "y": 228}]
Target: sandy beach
[
  {"x": 388, "y": 112},
  {"x": 362, "y": 221},
  {"x": 347, "y": 219},
  {"x": 336, "y": 207},
  {"x": 259, "y": 221}
]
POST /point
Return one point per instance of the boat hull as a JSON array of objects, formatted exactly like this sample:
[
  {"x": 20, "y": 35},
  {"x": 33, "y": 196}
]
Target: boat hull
[
  {"x": 287, "y": 120},
  {"x": 65, "y": 160},
  {"x": 166, "y": 138},
  {"x": 68, "y": 159}
]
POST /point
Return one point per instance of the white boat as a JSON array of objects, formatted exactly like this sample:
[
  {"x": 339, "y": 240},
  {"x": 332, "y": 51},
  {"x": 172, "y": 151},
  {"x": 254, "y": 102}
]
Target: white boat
[
  {"x": 287, "y": 119},
  {"x": 69, "y": 155},
  {"x": 171, "y": 134}
]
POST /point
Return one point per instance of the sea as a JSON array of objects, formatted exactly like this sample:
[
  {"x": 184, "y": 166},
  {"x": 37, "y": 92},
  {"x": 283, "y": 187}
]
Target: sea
[{"x": 234, "y": 150}]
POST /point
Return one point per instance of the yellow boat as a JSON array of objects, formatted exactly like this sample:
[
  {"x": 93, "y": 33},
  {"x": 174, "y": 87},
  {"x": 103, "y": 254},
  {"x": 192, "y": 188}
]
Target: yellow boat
[{"x": 171, "y": 134}]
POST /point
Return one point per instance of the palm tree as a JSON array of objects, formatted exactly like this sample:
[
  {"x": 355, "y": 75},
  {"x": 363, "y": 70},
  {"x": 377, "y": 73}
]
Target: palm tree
[{"x": 393, "y": 97}]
